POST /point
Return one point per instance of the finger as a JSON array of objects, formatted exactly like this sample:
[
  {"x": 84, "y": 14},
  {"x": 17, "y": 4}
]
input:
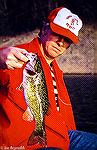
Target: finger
[
  {"x": 13, "y": 64},
  {"x": 11, "y": 57},
  {"x": 19, "y": 49},
  {"x": 21, "y": 57},
  {"x": 8, "y": 66},
  {"x": 19, "y": 53}
]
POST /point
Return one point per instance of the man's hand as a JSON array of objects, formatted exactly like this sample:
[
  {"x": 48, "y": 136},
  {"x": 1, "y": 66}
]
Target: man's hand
[{"x": 12, "y": 57}]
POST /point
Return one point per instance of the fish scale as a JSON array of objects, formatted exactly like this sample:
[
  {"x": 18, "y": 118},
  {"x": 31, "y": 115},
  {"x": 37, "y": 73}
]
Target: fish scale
[{"x": 36, "y": 97}]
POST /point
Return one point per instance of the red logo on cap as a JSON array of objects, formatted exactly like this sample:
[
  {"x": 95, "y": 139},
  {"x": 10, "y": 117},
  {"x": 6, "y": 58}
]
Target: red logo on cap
[{"x": 73, "y": 21}]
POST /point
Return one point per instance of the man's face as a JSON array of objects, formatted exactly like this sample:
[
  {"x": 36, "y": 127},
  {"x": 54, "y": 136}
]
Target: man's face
[{"x": 54, "y": 44}]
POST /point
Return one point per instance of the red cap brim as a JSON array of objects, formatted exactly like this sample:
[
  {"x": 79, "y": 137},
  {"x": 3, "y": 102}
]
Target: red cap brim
[{"x": 64, "y": 32}]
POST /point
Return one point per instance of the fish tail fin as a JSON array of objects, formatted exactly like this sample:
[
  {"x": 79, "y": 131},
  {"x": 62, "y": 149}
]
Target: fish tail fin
[{"x": 37, "y": 137}]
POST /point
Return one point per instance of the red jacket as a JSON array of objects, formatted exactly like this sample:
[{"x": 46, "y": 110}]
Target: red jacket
[{"x": 13, "y": 129}]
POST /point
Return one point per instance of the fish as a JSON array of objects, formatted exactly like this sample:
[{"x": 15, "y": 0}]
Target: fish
[{"x": 36, "y": 97}]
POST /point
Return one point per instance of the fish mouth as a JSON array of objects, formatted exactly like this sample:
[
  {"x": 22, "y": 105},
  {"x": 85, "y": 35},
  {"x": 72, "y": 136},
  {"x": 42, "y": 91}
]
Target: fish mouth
[
  {"x": 29, "y": 69},
  {"x": 30, "y": 72},
  {"x": 30, "y": 65}
]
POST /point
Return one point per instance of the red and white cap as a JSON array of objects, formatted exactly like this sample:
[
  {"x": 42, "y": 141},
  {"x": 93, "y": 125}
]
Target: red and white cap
[{"x": 64, "y": 22}]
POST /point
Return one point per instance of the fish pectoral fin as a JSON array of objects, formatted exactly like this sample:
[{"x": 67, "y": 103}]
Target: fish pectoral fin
[
  {"x": 37, "y": 138},
  {"x": 27, "y": 115}
]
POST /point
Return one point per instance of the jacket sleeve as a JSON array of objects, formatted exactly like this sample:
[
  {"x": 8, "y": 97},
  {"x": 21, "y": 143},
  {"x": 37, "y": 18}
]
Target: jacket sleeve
[{"x": 4, "y": 82}]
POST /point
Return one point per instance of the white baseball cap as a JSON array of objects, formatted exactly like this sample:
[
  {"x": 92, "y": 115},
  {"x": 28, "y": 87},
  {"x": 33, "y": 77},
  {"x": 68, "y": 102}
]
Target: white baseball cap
[{"x": 64, "y": 22}]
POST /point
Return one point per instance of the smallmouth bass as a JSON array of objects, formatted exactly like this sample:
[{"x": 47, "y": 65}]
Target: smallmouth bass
[{"x": 36, "y": 97}]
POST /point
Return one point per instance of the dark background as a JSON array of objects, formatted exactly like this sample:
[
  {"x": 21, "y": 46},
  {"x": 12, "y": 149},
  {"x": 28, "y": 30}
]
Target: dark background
[
  {"x": 83, "y": 94},
  {"x": 18, "y": 16}
]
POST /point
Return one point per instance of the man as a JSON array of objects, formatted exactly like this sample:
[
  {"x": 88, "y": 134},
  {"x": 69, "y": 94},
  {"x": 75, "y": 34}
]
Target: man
[{"x": 57, "y": 34}]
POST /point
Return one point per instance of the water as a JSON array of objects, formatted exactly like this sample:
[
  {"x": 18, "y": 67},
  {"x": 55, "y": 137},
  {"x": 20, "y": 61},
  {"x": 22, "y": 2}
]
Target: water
[{"x": 83, "y": 94}]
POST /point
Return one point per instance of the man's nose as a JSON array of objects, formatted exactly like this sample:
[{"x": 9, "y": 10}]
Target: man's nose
[{"x": 61, "y": 42}]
